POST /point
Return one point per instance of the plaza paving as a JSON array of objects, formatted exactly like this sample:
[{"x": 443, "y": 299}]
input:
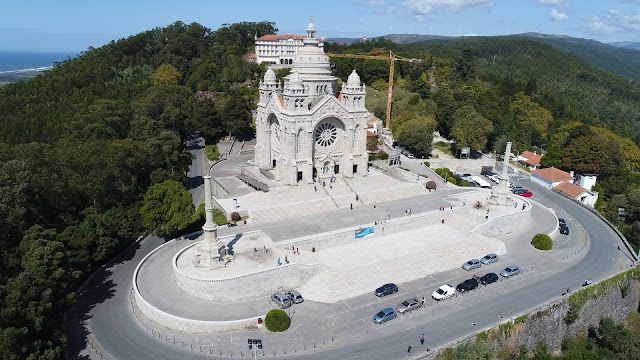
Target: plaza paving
[{"x": 352, "y": 269}]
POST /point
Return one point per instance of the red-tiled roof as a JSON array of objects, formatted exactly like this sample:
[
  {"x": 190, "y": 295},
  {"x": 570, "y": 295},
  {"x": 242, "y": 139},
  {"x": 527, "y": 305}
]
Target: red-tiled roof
[
  {"x": 552, "y": 174},
  {"x": 273, "y": 37},
  {"x": 253, "y": 56},
  {"x": 339, "y": 96},
  {"x": 532, "y": 159},
  {"x": 371, "y": 134},
  {"x": 281, "y": 100},
  {"x": 571, "y": 189}
]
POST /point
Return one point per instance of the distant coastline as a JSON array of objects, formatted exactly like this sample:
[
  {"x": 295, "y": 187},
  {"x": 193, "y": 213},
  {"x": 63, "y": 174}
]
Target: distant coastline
[
  {"x": 24, "y": 65},
  {"x": 38, "y": 69}
]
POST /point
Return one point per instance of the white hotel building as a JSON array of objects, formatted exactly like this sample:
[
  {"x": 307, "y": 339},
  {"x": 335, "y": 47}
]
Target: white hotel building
[{"x": 279, "y": 49}]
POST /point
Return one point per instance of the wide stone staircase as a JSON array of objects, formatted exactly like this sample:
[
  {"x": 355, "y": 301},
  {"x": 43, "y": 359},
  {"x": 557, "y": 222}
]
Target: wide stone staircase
[
  {"x": 288, "y": 202},
  {"x": 294, "y": 201}
]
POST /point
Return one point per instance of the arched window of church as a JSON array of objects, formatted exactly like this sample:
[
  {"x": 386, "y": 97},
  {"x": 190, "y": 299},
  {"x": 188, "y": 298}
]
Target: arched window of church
[
  {"x": 325, "y": 167},
  {"x": 354, "y": 137},
  {"x": 299, "y": 141}
]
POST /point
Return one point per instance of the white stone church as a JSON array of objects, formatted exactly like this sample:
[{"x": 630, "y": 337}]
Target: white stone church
[{"x": 306, "y": 131}]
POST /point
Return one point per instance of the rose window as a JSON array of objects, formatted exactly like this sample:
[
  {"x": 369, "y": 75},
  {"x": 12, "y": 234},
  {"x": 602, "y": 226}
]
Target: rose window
[{"x": 326, "y": 134}]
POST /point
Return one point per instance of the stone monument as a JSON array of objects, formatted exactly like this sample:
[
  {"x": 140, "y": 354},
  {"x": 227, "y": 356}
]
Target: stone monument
[
  {"x": 500, "y": 194},
  {"x": 210, "y": 252}
]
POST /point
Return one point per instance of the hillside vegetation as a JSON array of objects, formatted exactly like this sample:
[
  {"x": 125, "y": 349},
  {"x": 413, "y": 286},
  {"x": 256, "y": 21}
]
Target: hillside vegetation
[
  {"x": 92, "y": 152},
  {"x": 482, "y": 92}
]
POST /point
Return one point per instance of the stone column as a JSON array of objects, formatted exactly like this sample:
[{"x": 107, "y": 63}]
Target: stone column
[
  {"x": 211, "y": 251},
  {"x": 500, "y": 194}
]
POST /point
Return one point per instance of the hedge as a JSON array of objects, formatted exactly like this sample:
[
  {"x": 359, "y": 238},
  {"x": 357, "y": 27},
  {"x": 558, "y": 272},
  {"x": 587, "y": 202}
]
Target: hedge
[
  {"x": 542, "y": 242},
  {"x": 277, "y": 320}
]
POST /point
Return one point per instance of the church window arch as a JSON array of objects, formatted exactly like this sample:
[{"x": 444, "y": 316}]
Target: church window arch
[{"x": 299, "y": 141}]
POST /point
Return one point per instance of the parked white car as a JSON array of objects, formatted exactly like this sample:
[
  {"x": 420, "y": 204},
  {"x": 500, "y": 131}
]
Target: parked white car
[{"x": 443, "y": 292}]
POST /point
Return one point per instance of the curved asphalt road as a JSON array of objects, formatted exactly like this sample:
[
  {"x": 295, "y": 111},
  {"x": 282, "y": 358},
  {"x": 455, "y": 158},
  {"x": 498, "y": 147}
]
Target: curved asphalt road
[{"x": 106, "y": 309}]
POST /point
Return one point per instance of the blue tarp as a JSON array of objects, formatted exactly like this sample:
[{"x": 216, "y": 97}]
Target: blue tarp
[{"x": 364, "y": 232}]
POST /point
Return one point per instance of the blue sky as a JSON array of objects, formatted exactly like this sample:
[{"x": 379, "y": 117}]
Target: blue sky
[{"x": 74, "y": 25}]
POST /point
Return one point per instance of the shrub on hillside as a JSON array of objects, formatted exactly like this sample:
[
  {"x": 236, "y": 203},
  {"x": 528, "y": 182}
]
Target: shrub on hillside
[
  {"x": 235, "y": 216},
  {"x": 465, "y": 183},
  {"x": 427, "y": 164},
  {"x": 452, "y": 180},
  {"x": 277, "y": 320},
  {"x": 219, "y": 217},
  {"x": 542, "y": 242}
]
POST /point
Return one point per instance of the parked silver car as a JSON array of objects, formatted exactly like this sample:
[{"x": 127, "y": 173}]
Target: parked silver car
[
  {"x": 408, "y": 305},
  {"x": 282, "y": 300},
  {"x": 472, "y": 264},
  {"x": 489, "y": 258},
  {"x": 295, "y": 296},
  {"x": 510, "y": 271}
]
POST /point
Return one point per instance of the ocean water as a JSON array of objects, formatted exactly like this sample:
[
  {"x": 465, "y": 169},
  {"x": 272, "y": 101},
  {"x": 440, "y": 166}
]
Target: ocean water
[{"x": 13, "y": 61}]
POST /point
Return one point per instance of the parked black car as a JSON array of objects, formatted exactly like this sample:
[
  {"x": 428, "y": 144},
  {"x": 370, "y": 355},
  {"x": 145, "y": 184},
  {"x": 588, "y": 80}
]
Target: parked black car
[
  {"x": 467, "y": 285},
  {"x": 488, "y": 278},
  {"x": 386, "y": 289}
]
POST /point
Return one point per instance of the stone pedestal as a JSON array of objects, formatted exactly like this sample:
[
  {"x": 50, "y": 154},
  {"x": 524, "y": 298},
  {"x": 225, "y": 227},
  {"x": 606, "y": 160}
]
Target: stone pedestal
[
  {"x": 500, "y": 194},
  {"x": 210, "y": 252}
]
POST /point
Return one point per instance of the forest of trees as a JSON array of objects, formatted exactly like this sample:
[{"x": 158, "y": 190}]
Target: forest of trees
[
  {"x": 91, "y": 150},
  {"x": 88, "y": 148},
  {"x": 483, "y": 92}
]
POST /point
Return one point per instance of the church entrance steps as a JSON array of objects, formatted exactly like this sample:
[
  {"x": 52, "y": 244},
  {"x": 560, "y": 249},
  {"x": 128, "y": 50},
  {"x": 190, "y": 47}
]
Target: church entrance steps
[
  {"x": 402, "y": 191},
  {"x": 346, "y": 181},
  {"x": 353, "y": 271},
  {"x": 293, "y": 210}
]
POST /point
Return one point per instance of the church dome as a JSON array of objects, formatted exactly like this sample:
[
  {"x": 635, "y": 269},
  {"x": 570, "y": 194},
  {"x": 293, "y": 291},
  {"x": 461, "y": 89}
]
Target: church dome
[
  {"x": 312, "y": 26},
  {"x": 354, "y": 79},
  {"x": 270, "y": 76}
]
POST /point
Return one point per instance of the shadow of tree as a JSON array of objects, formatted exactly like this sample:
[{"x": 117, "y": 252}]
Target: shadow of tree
[
  {"x": 194, "y": 182},
  {"x": 97, "y": 289}
]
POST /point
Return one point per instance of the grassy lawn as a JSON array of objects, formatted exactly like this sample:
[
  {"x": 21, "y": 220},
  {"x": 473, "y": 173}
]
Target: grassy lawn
[
  {"x": 213, "y": 154},
  {"x": 444, "y": 147}
]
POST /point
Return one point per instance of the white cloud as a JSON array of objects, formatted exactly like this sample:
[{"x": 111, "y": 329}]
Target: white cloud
[
  {"x": 615, "y": 21},
  {"x": 375, "y": 2},
  {"x": 421, "y": 8},
  {"x": 548, "y": 2},
  {"x": 558, "y": 15}
]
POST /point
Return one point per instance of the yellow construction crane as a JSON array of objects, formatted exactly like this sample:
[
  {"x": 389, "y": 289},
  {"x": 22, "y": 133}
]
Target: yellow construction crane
[{"x": 392, "y": 58}]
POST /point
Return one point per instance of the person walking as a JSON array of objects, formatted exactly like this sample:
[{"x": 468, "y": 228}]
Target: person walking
[
  {"x": 409, "y": 350},
  {"x": 422, "y": 339}
]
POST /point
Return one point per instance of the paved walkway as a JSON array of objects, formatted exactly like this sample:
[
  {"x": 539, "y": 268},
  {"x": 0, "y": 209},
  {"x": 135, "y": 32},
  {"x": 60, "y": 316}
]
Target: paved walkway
[{"x": 353, "y": 269}]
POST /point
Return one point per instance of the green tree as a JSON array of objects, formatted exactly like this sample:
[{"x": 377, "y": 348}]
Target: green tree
[
  {"x": 593, "y": 154},
  {"x": 167, "y": 207},
  {"x": 417, "y": 134},
  {"x": 166, "y": 75},
  {"x": 529, "y": 113},
  {"x": 470, "y": 128}
]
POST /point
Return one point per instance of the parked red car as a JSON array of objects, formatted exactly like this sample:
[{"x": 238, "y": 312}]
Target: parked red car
[{"x": 526, "y": 194}]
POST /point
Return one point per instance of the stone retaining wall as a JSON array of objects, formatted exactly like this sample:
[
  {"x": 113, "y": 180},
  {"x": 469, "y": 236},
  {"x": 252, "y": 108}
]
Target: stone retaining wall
[
  {"x": 546, "y": 323},
  {"x": 244, "y": 287},
  {"x": 173, "y": 322}
]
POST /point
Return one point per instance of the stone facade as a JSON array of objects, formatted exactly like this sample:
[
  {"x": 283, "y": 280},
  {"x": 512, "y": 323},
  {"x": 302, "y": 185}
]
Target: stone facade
[{"x": 304, "y": 132}]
